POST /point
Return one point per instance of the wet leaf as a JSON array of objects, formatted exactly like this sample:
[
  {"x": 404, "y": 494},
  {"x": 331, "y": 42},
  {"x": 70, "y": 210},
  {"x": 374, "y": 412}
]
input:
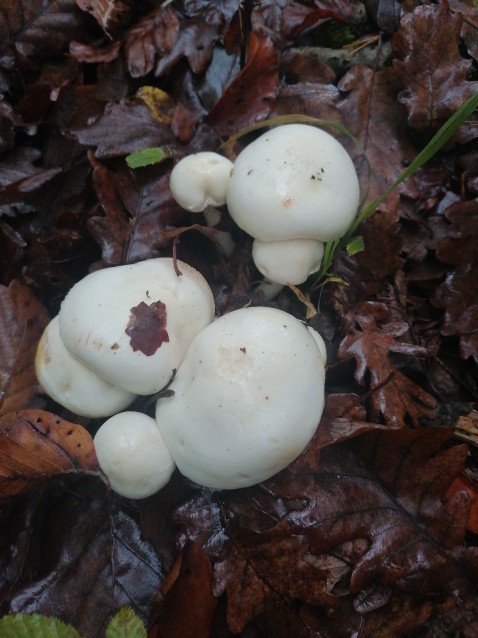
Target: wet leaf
[
  {"x": 147, "y": 156},
  {"x": 147, "y": 327},
  {"x": 250, "y": 96},
  {"x": 359, "y": 518},
  {"x": 393, "y": 397},
  {"x": 111, "y": 15},
  {"x": 431, "y": 66}
]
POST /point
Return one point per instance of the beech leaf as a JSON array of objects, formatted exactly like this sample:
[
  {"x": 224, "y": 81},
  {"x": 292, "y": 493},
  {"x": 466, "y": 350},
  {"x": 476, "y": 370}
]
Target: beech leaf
[
  {"x": 40, "y": 445},
  {"x": 126, "y": 624},
  {"x": 22, "y": 321}
]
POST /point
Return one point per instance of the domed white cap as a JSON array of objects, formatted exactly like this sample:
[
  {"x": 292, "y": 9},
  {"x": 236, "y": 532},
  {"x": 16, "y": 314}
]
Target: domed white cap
[
  {"x": 132, "y": 454},
  {"x": 72, "y": 384},
  {"x": 200, "y": 180},
  {"x": 248, "y": 398},
  {"x": 133, "y": 324},
  {"x": 294, "y": 182},
  {"x": 288, "y": 262}
]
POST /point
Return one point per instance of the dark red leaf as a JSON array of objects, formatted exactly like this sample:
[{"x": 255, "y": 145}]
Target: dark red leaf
[
  {"x": 147, "y": 327},
  {"x": 186, "y": 601}
]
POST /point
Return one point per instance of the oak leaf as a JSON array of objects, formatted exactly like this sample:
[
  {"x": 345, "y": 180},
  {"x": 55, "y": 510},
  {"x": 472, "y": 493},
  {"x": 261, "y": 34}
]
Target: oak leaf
[
  {"x": 430, "y": 66},
  {"x": 394, "y": 397}
]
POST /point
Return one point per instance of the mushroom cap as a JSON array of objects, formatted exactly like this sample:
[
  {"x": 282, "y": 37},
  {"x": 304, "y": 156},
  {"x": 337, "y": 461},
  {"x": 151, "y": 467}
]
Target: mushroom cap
[
  {"x": 72, "y": 384},
  {"x": 294, "y": 182},
  {"x": 133, "y": 324},
  {"x": 248, "y": 398},
  {"x": 133, "y": 455},
  {"x": 290, "y": 261},
  {"x": 200, "y": 180}
]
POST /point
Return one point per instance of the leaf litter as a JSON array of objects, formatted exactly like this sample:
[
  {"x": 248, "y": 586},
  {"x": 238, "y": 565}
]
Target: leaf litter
[{"x": 370, "y": 531}]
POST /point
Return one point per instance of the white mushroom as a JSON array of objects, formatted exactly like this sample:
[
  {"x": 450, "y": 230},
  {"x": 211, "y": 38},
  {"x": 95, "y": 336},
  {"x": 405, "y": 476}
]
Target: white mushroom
[
  {"x": 72, "y": 384},
  {"x": 294, "y": 182},
  {"x": 133, "y": 324},
  {"x": 198, "y": 183},
  {"x": 132, "y": 454},
  {"x": 247, "y": 399},
  {"x": 289, "y": 261},
  {"x": 200, "y": 180}
]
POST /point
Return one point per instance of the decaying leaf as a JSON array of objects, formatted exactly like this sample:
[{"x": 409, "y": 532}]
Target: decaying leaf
[
  {"x": 393, "y": 397},
  {"x": 40, "y": 445},
  {"x": 430, "y": 65},
  {"x": 22, "y": 321},
  {"x": 361, "y": 517}
]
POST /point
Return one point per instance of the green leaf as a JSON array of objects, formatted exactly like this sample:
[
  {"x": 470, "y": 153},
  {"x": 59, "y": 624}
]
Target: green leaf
[
  {"x": 355, "y": 245},
  {"x": 126, "y": 624},
  {"x": 148, "y": 156},
  {"x": 35, "y": 626}
]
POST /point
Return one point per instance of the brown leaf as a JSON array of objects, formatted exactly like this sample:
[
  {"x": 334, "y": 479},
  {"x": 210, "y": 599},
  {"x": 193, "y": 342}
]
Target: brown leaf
[
  {"x": 457, "y": 295},
  {"x": 250, "y": 96},
  {"x": 22, "y": 321},
  {"x": 371, "y": 113},
  {"x": 38, "y": 30},
  {"x": 373, "y": 518},
  {"x": 122, "y": 129},
  {"x": 186, "y": 601},
  {"x": 429, "y": 64},
  {"x": 40, "y": 445},
  {"x": 93, "y": 54},
  {"x": 74, "y": 554},
  {"x": 151, "y": 38},
  {"x": 393, "y": 397},
  {"x": 111, "y": 15}
]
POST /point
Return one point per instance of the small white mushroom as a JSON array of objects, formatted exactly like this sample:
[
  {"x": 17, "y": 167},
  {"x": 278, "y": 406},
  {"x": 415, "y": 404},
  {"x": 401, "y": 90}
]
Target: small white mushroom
[
  {"x": 132, "y": 324},
  {"x": 132, "y": 454},
  {"x": 72, "y": 384},
  {"x": 247, "y": 399},
  {"x": 295, "y": 182},
  {"x": 200, "y": 180},
  {"x": 198, "y": 184}
]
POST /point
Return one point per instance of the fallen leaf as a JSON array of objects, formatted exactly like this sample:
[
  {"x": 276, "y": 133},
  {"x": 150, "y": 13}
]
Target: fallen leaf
[
  {"x": 22, "y": 321},
  {"x": 393, "y": 396},
  {"x": 112, "y": 15},
  {"x": 186, "y": 601},
  {"x": 40, "y": 445},
  {"x": 365, "y": 519},
  {"x": 430, "y": 66},
  {"x": 250, "y": 96}
]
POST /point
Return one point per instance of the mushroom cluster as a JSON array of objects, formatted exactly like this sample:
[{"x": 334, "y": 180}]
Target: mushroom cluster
[
  {"x": 244, "y": 403},
  {"x": 292, "y": 189},
  {"x": 121, "y": 332}
]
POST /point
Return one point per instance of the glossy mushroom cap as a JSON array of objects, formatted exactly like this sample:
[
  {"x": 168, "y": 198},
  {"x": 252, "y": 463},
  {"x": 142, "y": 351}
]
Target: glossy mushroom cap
[{"x": 248, "y": 398}]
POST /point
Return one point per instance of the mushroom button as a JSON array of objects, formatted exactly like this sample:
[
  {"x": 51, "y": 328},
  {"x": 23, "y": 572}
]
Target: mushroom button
[
  {"x": 132, "y": 324},
  {"x": 295, "y": 182},
  {"x": 247, "y": 399},
  {"x": 132, "y": 454}
]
